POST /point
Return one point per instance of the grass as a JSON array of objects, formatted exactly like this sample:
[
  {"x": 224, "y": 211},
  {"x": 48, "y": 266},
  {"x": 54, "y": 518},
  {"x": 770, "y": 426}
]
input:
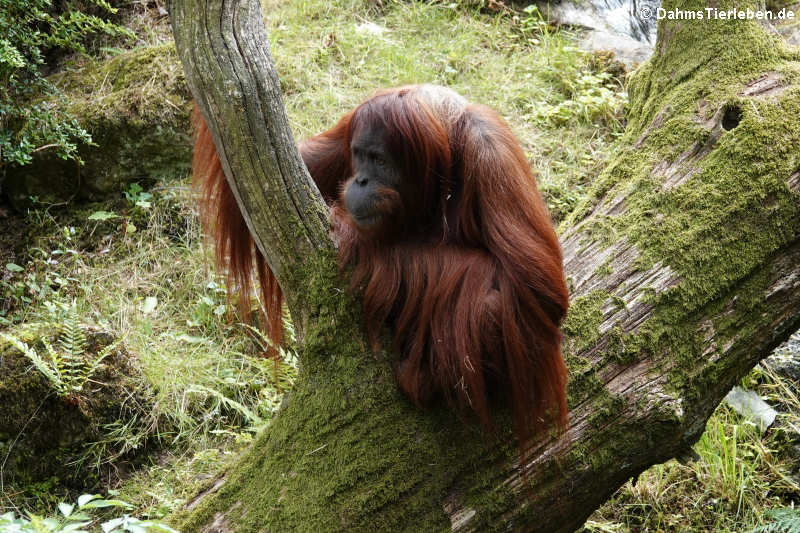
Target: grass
[
  {"x": 739, "y": 475},
  {"x": 144, "y": 275},
  {"x": 332, "y": 55},
  {"x": 210, "y": 386}
]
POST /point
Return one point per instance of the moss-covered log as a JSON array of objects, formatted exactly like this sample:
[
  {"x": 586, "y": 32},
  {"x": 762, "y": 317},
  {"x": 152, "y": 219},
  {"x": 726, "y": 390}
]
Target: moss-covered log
[{"x": 684, "y": 266}]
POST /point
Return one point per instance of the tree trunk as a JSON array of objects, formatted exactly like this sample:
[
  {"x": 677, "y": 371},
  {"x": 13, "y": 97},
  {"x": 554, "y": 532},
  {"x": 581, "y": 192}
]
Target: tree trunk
[{"x": 684, "y": 266}]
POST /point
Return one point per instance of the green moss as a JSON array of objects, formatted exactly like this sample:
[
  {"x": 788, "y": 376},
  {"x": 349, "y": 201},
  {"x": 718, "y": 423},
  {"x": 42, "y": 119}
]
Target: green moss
[
  {"x": 143, "y": 86},
  {"x": 136, "y": 107},
  {"x": 583, "y": 381},
  {"x": 600, "y": 229},
  {"x": 360, "y": 480},
  {"x": 607, "y": 407},
  {"x": 734, "y": 210},
  {"x": 582, "y": 330},
  {"x": 605, "y": 269},
  {"x": 344, "y": 402},
  {"x": 582, "y": 324},
  {"x": 46, "y": 435},
  {"x": 621, "y": 347}
]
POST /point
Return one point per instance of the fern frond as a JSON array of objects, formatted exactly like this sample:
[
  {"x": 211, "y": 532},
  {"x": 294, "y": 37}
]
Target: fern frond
[
  {"x": 66, "y": 367},
  {"x": 91, "y": 368},
  {"x": 72, "y": 340},
  {"x": 785, "y": 520},
  {"x": 56, "y": 361},
  {"x": 49, "y": 371}
]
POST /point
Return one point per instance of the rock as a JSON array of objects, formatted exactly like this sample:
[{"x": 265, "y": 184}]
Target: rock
[
  {"x": 626, "y": 50},
  {"x": 614, "y": 26},
  {"x": 136, "y": 107},
  {"x": 785, "y": 360},
  {"x": 750, "y": 405},
  {"x": 628, "y": 27},
  {"x": 787, "y": 28}
]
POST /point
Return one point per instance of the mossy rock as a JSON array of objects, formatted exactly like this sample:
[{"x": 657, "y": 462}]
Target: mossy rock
[
  {"x": 44, "y": 435},
  {"x": 136, "y": 107}
]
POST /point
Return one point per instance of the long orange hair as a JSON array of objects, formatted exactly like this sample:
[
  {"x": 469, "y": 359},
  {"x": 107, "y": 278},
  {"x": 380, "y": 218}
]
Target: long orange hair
[{"x": 470, "y": 279}]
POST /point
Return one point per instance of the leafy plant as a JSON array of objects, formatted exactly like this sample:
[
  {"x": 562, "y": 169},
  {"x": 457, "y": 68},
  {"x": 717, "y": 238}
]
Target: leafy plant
[
  {"x": 137, "y": 197},
  {"x": 30, "y": 31},
  {"x": 592, "y": 101},
  {"x": 102, "y": 216},
  {"x": 784, "y": 521},
  {"x": 68, "y": 367},
  {"x": 76, "y": 518},
  {"x": 38, "y": 283},
  {"x": 533, "y": 23},
  {"x": 209, "y": 308}
]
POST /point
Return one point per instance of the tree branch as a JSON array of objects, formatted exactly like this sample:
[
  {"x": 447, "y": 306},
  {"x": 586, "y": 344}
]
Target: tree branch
[{"x": 225, "y": 52}]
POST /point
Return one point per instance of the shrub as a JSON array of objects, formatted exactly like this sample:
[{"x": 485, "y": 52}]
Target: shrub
[{"x": 30, "y": 32}]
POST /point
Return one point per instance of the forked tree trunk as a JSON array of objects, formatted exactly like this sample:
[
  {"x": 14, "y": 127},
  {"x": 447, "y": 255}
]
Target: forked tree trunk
[{"x": 684, "y": 267}]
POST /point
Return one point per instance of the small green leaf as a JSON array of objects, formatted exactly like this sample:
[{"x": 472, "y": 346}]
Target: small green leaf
[
  {"x": 191, "y": 339},
  {"x": 74, "y": 527},
  {"x": 112, "y": 524},
  {"x": 96, "y": 504},
  {"x": 11, "y": 267},
  {"x": 65, "y": 508},
  {"x": 83, "y": 499},
  {"x": 159, "y": 526},
  {"x": 103, "y": 215}
]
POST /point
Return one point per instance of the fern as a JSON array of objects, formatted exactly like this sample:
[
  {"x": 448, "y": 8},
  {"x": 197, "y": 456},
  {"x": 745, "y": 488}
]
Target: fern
[
  {"x": 48, "y": 369},
  {"x": 69, "y": 367},
  {"x": 73, "y": 346},
  {"x": 784, "y": 521}
]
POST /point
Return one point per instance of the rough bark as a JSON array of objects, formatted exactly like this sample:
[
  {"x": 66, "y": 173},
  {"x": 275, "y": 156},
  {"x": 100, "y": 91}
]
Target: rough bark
[
  {"x": 684, "y": 266},
  {"x": 223, "y": 47}
]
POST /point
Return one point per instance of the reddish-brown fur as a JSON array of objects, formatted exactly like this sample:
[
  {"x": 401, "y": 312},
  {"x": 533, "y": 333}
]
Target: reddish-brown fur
[{"x": 469, "y": 279}]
